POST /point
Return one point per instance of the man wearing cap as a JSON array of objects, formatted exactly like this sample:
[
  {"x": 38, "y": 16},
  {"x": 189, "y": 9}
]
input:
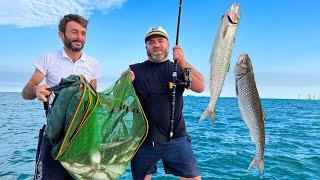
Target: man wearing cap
[{"x": 151, "y": 80}]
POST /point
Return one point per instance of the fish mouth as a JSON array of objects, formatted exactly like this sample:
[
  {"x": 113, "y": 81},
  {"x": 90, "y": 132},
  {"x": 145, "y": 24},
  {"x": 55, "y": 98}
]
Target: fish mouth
[
  {"x": 234, "y": 13},
  {"x": 243, "y": 65},
  {"x": 244, "y": 61}
]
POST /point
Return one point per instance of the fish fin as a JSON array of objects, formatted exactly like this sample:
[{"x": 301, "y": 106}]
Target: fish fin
[
  {"x": 236, "y": 87},
  {"x": 257, "y": 162},
  {"x": 224, "y": 31},
  {"x": 204, "y": 115},
  {"x": 228, "y": 68}
]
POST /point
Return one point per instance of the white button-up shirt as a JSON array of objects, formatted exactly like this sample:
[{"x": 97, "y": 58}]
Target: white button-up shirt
[{"x": 56, "y": 65}]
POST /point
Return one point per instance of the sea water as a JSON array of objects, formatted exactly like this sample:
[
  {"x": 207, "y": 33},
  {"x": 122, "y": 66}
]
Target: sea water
[{"x": 223, "y": 150}]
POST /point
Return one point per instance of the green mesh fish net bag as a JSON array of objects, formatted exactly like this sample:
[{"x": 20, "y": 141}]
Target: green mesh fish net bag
[{"x": 95, "y": 134}]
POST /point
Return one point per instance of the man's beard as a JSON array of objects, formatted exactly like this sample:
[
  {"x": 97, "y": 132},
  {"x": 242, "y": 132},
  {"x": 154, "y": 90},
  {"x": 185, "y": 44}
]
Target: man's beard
[
  {"x": 69, "y": 44},
  {"x": 158, "y": 57}
]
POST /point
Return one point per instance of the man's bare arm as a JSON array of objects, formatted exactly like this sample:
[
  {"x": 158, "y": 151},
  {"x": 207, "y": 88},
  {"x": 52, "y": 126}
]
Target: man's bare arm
[{"x": 33, "y": 90}]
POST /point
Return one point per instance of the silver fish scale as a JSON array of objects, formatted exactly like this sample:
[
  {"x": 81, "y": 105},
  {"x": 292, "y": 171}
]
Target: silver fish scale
[{"x": 251, "y": 110}]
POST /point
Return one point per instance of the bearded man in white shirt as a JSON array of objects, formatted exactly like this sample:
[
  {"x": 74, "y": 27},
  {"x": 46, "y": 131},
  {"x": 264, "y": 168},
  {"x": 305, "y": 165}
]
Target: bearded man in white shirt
[{"x": 53, "y": 66}]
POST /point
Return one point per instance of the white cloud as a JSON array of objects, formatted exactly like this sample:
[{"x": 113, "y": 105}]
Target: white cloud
[{"x": 33, "y": 13}]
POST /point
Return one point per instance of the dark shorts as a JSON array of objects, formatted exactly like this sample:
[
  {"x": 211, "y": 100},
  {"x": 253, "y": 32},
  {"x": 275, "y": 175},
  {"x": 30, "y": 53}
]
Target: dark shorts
[
  {"x": 176, "y": 155},
  {"x": 46, "y": 167}
]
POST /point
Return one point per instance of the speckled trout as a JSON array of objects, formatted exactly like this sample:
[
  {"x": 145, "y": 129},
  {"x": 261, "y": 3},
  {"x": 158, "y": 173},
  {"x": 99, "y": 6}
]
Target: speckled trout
[
  {"x": 250, "y": 107},
  {"x": 220, "y": 57}
]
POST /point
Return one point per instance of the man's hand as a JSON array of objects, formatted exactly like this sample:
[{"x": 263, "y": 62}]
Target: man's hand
[
  {"x": 178, "y": 55},
  {"x": 42, "y": 92},
  {"x": 197, "y": 84},
  {"x": 132, "y": 76}
]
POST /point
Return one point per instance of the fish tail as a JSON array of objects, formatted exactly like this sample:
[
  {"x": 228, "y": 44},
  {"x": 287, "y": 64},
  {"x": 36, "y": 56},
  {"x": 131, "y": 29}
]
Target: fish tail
[
  {"x": 208, "y": 112},
  {"x": 257, "y": 162},
  {"x": 212, "y": 115}
]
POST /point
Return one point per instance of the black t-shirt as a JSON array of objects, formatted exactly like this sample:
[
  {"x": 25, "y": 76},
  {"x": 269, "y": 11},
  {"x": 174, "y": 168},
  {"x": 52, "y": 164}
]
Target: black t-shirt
[{"x": 152, "y": 87}]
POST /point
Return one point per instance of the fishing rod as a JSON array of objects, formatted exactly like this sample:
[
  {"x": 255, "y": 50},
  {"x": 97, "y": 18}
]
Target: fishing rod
[
  {"x": 178, "y": 26},
  {"x": 175, "y": 81}
]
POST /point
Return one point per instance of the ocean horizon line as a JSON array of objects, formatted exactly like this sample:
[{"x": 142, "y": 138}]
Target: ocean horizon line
[{"x": 207, "y": 96}]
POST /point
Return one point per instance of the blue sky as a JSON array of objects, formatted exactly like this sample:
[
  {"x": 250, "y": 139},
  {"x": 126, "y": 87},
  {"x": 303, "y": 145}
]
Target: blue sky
[{"x": 281, "y": 37}]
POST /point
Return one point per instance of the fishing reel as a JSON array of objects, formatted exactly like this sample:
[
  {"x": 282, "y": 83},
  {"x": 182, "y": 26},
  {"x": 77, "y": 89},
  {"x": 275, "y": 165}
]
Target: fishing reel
[
  {"x": 186, "y": 82},
  {"x": 187, "y": 77}
]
